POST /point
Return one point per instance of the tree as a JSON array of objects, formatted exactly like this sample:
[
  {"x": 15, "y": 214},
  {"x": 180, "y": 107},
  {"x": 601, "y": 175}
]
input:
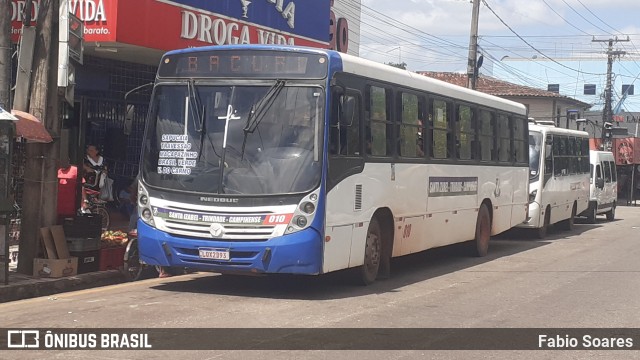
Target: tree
[{"x": 402, "y": 65}]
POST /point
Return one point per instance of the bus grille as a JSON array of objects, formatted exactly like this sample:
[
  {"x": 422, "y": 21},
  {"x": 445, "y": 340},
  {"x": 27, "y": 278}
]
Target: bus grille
[{"x": 233, "y": 232}]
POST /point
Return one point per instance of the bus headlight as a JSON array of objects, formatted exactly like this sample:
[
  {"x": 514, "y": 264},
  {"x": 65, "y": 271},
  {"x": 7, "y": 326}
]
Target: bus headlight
[
  {"x": 304, "y": 213},
  {"x": 301, "y": 221},
  {"x": 144, "y": 210},
  {"x": 532, "y": 196},
  {"x": 308, "y": 207},
  {"x": 146, "y": 214}
]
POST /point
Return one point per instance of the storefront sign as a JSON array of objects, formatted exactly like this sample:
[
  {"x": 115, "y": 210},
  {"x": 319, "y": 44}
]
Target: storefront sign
[
  {"x": 192, "y": 23},
  {"x": 174, "y": 24},
  {"x": 99, "y": 16}
]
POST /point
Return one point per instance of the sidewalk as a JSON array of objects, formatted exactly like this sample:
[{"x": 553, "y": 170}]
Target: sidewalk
[{"x": 25, "y": 286}]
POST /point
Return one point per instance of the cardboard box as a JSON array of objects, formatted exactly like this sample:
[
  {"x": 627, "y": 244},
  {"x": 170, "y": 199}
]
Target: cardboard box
[{"x": 55, "y": 268}]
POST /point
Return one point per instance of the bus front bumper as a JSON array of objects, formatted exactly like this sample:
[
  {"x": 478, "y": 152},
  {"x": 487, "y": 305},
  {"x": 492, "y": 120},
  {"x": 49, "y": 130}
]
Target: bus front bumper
[
  {"x": 297, "y": 253},
  {"x": 533, "y": 219}
]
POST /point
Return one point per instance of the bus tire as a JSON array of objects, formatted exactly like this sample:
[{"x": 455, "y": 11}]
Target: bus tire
[
  {"x": 591, "y": 213},
  {"x": 611, "y": 214},
  {"x": 542, "y": 231},
  {"x": 568, "y": 224},
  {"x": 483, "y": 231},
  {"x": 372, "y": 253}
]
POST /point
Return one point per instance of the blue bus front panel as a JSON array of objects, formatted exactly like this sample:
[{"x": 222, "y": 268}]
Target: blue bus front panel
[{"x": 297, "y": 253}]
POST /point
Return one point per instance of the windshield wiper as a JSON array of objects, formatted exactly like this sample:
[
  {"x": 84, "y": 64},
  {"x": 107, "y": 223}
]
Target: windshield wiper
[
  {"x": 196, "y": 104},
  {"x": 258, "y": 110}
]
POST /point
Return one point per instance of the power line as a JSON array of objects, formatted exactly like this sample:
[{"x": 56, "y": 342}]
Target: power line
[{"x": 531, "y": 46}]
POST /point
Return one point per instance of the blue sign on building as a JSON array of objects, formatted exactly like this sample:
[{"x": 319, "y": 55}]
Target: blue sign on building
[{"x": 308, "y": 18}]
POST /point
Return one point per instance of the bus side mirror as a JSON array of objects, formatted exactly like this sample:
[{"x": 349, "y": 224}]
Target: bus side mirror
[{"x": 600, "y": 183}]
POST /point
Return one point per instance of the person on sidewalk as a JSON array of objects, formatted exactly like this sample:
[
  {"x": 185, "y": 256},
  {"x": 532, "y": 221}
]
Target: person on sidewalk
[{"x": 95, "y": 173}]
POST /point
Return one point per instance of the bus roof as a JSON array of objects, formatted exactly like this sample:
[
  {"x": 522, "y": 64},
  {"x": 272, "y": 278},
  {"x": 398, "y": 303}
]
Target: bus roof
[
  {"x": 550, "y": 129},
  {"x": 359, "y": 66}
]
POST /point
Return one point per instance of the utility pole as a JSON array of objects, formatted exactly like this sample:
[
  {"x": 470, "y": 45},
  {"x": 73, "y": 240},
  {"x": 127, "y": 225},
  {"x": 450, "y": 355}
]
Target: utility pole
[
  {"x": 41, "y": 168},
  {"x": 5, "y": 54},
  {"x": 607, "y": 114},
  {"x": 473, "y": 47}
]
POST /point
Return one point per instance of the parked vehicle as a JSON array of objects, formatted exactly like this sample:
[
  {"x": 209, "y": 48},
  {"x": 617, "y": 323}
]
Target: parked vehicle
[
  {"x": 558, "y": 176},
  {"x": 603, "y": 186}
]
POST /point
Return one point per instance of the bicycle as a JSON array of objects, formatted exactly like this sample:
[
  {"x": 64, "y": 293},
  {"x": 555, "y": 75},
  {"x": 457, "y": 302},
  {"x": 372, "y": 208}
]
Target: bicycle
[{"x": 98, "y": 207}]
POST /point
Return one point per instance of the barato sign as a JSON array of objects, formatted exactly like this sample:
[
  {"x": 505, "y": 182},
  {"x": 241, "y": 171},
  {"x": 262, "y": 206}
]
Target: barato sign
[{"x": 99, "y": 17}]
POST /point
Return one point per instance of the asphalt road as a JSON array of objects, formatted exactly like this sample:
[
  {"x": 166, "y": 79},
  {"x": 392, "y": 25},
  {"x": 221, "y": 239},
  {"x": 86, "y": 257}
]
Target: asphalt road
[{"x": 587, "y": 278}]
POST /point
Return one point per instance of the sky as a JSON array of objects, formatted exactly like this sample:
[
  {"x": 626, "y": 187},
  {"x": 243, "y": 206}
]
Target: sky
[{"x": 433, "y": 35}]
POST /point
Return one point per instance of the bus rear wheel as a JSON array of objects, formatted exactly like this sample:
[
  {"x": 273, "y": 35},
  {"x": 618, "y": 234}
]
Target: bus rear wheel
[
  {"x": 483, "y": 231},
  {"x": 592, "y": 212},
  {"x": 611, "y": 214},
  {"x": 372, "y": 253}
]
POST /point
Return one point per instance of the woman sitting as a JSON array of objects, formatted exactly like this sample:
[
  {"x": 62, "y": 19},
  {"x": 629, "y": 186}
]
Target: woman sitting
[{"x": 95, "y": 173}]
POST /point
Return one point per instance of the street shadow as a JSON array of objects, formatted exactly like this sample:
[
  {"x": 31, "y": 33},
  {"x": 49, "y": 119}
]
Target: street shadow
[{"x": 406, "y": 270}]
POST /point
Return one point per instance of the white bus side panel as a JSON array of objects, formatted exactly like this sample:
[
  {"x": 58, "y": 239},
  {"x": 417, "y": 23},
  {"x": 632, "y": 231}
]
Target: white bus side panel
[{"x": 420, "y": 221}]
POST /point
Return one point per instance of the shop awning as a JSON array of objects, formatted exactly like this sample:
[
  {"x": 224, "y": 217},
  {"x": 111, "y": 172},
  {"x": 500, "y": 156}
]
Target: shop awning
[
  {"x": 30, "y": 128},
  {"x": 5, "y": 115}
]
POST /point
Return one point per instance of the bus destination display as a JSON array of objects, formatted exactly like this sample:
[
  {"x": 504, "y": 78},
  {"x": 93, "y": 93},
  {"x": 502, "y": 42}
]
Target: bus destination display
[{"x": 261, "y": 64}]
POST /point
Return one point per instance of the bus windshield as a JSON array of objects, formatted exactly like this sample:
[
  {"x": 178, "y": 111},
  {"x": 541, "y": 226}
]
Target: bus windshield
[
  {"x": 202, "y": 139},
  {"x": 535, "y": 148}
]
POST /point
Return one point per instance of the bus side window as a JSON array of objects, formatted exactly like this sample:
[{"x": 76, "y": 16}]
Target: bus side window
[
  {"x": 607, "y": 171},
  {"x": 504, "y": 139},
  {"x": 379, "y": 123},
  {"x": 441, "y": 130},
  {"x": 344, "y": 136},
  {"x": 464, "y": 133},
  {"x": 614, "y": 174},
  {"x": 486, "y": 136},
  {"x": 548, "y": 158}
]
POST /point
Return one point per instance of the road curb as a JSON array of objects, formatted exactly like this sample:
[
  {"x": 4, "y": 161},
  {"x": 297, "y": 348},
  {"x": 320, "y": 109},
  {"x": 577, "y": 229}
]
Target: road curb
[{"x": 35, "y": 287}]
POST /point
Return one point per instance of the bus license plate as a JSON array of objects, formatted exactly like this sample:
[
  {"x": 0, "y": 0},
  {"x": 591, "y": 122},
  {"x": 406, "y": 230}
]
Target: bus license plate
[{"x": 214, "y": 254}]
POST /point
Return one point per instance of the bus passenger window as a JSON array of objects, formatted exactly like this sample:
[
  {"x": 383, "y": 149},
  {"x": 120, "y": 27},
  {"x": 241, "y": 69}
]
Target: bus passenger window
[
  {"x": 504, "y": 136},
  {"x": 464, "y": 133},
  {"x": 410, "y": 134},
  {"x": 485, "y": 128},
  {"x": 379, "y": 123},
  {"x": 344, "y": 134},
  {"x": 440, "y": 131}
]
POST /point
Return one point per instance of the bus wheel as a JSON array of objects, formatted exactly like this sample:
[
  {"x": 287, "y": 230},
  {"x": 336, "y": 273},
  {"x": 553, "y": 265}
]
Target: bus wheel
[
  {"x": 372, "y": 253},
  {"x": 591, "y": 213},
  {"x": 611, "y": 214},
  {"x": 570, "y": 222},
  {"x": 542, "y": 231},
  {"x": 483, "y": 231}
]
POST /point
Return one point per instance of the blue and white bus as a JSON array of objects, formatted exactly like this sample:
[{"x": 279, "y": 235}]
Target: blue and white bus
[{"x": 278, "y": 159}]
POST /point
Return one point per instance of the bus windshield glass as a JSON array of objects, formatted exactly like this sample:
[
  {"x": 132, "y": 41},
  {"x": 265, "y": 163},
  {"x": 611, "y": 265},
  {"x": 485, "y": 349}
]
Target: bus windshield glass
[
  {"x": 535, "y": 148},
  {"x": 251, "y": 140}
]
